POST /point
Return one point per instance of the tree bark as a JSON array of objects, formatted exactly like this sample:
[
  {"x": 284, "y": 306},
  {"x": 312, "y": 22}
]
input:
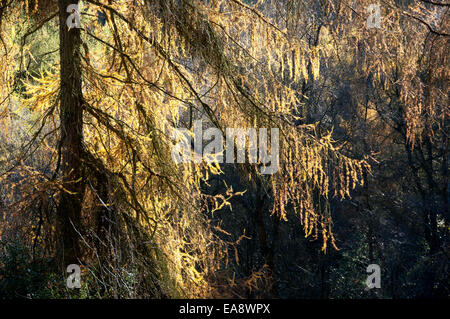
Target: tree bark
[{"x": 71, "y": 143}]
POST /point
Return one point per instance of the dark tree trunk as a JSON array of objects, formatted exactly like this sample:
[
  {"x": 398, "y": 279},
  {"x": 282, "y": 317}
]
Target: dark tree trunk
[
  {"x": 71, "y": 117},
  {"x": 267, "y": 250}
]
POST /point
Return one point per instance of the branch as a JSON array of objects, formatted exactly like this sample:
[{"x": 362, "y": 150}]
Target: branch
[
  {"x": 436, "y": 3},
  {"x": 418, "y": 19}
]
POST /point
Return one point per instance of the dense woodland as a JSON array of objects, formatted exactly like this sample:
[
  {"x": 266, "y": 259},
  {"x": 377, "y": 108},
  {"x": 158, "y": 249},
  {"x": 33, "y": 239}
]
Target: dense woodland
[{"x": 89, "y": 117}]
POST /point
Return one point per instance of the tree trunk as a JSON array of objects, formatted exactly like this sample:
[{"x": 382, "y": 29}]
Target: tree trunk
[
  {"x": 267, "y": 250},
  {"x": 71, "y": 143}
]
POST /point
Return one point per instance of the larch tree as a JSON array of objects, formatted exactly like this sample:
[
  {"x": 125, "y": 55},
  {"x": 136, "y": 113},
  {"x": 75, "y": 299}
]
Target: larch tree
[{"x": 123, "y": 87}]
